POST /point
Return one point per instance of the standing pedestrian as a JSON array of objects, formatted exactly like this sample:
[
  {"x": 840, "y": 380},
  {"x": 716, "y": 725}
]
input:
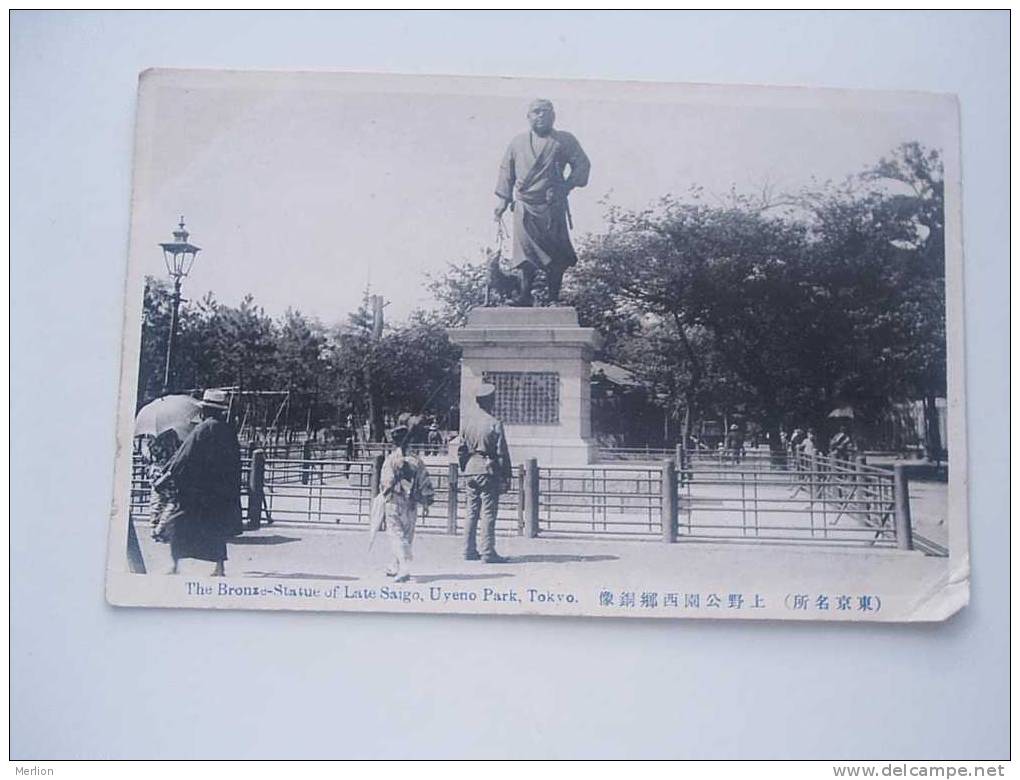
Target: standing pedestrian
[
  {"x": 809, "y": 444},
  {"x": 206, "y": 472},
  {"x": 435, "y": 438},
  {"x": 735, "y": 443},
  {"x": 485, "y": 461},
  {"x": 164, "y": 502},
  {"x": 404, "y": 483},
  {"x": 841, "y": 446}
]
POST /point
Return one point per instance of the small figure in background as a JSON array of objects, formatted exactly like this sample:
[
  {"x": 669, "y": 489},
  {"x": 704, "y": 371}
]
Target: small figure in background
[
  {"x": 841, "y": 446},
  {"x": 435, "y": 438},
  {"x": 809, "y": 444},
  {"x": 350, "y": 444},
  {"x": 796, "y": 440},
  {"x": 735, "y": 443}
]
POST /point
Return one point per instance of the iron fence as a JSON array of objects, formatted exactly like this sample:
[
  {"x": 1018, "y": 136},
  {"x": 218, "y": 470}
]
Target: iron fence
[
  {"x": 141, "y": 487},
  {"x": 757, "y": 496},
  {"x": 336, "y": 492},
  {"x": 614, "y": 454},
  {"x": 604, "y": 501},
  {"x": 795, "y": 498}
]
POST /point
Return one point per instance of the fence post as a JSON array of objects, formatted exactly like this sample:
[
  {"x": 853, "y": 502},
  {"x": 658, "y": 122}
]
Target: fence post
[
  {"x": 451, "y": 498},
  {"x": 377, "y": 462},
  {"x": 306, "y": 457},
  {"x": 136, "y": 563},
  {"x": 531, "y": 498},
  {"x": 519, "y": 477},
  {"x": 256, "y": 489},
  {"x": 814, "y": 477},
  {"x": 901, "y": 495},
  {"x": 860, "y": 485},
  {"x": 669, "y": 501}
]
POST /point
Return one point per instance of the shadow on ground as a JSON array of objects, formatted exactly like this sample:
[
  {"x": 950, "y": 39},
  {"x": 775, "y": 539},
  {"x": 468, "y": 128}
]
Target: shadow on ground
[
  {"x": 299, "y": 575},
  {"x": 426, "y": 578},
  {"x": 274, "y": 539},
  {"x": 554, "y": 558}
]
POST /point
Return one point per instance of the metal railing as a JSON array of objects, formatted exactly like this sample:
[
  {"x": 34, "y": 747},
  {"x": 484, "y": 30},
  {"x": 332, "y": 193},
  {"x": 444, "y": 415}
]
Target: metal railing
[
  {"x": 361, "y": 450},
  {"x": 759, "y": 496},
  {"x": 617, "y": 501},
  {"x": 613, "y": 454},
  {"x": 336, "y": 492},
  {"x": 141, "y": 488},
  {"x": 339, "y": 493},
  {"x": 794, "y": 498}
]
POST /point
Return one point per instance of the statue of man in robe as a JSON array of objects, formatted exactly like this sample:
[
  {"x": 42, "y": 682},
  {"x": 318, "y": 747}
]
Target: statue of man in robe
[{"x": 534, "y": 183}]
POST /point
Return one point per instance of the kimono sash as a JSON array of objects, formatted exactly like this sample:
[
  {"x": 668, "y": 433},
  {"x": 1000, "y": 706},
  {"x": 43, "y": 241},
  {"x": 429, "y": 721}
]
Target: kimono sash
[{"x": 541, "y": 160}]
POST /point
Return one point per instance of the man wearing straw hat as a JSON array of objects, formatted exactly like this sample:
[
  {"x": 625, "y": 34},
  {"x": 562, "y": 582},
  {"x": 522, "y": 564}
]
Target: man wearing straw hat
[
  {"x": 206, "y": 471},
  {"x": 485, "y": 461}
]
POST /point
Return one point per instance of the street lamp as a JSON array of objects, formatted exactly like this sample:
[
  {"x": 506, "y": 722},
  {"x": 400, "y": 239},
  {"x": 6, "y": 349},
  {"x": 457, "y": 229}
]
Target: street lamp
[{"x": 179, "y": 256}]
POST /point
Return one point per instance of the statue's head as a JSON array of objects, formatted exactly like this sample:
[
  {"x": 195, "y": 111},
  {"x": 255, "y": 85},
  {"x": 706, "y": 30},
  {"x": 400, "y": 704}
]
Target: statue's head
[{"x": 541, "y": 116}]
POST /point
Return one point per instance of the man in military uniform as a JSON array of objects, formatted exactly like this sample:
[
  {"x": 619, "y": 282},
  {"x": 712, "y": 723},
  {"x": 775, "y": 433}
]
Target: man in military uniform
[{"x": 485, "y": 461}]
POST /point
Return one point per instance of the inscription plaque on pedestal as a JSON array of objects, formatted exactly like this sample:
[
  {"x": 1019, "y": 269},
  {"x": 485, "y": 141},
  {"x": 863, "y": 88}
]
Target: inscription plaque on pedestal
[
  {"x": 526, "y": 397},
  {"x": 539, "y": 360}
]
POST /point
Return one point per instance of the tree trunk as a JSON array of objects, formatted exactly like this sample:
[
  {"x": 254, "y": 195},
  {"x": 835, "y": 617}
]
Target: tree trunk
[
  {"x": 375, "y": 410},
  {"x": 932, "y": 437},
  {"x": 777, "y": 452}
]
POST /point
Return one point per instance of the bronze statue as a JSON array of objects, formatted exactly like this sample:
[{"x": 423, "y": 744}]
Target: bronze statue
[{"x": 532, "y": 183}]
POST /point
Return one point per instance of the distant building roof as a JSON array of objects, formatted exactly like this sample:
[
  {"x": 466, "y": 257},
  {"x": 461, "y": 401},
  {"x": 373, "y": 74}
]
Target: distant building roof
[{"x": 615, "y": 374}]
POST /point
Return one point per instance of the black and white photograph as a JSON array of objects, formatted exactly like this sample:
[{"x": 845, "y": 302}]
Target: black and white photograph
[
  {"x": 522, "y": 346},
  {"x": 542, "y": 385}
]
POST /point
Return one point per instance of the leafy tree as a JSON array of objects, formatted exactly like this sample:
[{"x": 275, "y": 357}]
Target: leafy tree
[
  {"x": 837, "y": 300},
  {"x": 918, "y": 216},
  {"x": 423, "y": 367},
  {"x": 299, "y": 362},
  {"x": 413, "y": 367},
  {"x": 715, "y": 295},
  {"x": 155, "y": 329},
  {"x": 778, "y": 314},
  {"x": 460, "y": 288}
]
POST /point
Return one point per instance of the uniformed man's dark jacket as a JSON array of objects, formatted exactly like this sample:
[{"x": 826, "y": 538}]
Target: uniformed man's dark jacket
[{"x": 483, "y": 443}]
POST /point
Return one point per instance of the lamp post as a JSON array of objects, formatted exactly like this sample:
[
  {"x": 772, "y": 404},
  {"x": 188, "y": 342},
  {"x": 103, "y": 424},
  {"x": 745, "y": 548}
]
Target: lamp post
[{"x": 179, "y": 256}]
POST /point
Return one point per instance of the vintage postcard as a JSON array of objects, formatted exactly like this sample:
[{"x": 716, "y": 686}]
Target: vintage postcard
[{"x": 509, "y": 346}]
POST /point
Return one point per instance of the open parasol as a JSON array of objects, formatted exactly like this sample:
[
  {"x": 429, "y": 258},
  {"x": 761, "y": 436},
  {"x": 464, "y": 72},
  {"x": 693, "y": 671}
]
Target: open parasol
[
  {"x": 376, "y": 518},
  {"x": 179, "y": 413},
  {"x": 844, "y": 412}
]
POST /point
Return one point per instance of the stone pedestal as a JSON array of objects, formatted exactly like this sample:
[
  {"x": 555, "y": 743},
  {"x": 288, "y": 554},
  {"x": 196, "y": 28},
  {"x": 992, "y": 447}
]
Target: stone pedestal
[{"x": 540, "y": 361}]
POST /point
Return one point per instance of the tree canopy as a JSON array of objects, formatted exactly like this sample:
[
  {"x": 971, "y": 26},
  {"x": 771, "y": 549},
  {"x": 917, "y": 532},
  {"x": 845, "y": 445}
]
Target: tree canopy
[
  {"x": 775, "y": 309},
  {"x": 779, "y": 311}
]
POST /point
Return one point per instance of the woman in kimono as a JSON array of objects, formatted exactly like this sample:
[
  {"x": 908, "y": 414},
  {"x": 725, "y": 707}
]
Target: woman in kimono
[
  {"x": 164, "y": 501},
  {"x": 404, "y": 483}
]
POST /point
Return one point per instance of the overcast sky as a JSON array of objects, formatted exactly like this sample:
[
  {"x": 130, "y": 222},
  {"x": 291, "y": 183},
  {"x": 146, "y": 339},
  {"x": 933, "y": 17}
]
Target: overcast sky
[{"x": 303, "y": 188}]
